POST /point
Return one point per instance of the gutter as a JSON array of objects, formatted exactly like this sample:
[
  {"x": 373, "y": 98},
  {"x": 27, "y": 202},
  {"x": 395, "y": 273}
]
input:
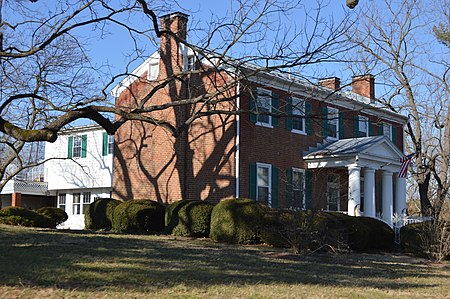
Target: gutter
[{"x": 238, "y": 137}]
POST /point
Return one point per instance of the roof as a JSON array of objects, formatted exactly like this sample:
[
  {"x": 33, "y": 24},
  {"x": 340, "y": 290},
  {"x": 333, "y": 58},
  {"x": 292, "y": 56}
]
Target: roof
[{"x": 352, "y": 146}]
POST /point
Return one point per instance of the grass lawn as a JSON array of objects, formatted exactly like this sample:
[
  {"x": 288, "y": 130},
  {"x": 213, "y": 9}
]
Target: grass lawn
[{"x": 38, "y": 263}]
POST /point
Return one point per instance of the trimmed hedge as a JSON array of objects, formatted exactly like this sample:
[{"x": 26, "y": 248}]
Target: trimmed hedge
[
  {"x": 23, "y": 217},
  {"x": 100, "y": 213},
  {"x": 189, "y": 218},
  {"x": 55, "y": 215},
  {"x": 138, "y": 216},
  {"x": 237, "y": 221}
]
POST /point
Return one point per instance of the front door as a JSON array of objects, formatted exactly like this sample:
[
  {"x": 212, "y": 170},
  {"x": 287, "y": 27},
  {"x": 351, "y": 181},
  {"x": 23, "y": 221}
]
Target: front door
[{"x": 333, "y": 192}]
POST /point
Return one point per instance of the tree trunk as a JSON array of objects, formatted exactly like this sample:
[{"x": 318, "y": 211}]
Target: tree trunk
[{"x": 425, "y": 204}]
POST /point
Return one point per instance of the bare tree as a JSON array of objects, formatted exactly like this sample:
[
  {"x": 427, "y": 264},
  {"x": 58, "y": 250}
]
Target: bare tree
[
  {"x": 49, "y": 80},
  {"x": 393, "y": 39}
]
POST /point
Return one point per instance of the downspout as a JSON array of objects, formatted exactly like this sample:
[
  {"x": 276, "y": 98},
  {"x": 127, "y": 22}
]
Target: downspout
[{"x": 238, "y": 137}]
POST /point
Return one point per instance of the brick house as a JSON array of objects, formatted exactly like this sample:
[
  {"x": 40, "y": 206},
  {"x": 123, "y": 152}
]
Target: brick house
[{"x": 296, "y": 144}]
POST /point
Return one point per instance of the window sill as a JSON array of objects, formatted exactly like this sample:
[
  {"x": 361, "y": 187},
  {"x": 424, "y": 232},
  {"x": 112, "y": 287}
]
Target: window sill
[
  {"x": 265, "y": 125},
  {"x": 298, "y": 132}
]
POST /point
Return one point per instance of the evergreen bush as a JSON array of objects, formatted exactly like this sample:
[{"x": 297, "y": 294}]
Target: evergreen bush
[
  {"x": 189, "y": 218},
  {"x": 238, "y": 221},
  {"x": 23, "y": 217},
  {"x": 138, "y": 216},
  {"x": 55, "y": 215},
  {"x": 100, "y": 213}
]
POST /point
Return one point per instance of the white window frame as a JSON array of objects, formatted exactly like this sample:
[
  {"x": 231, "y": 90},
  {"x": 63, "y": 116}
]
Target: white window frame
[
  {"x": 86, "y": 200},
  {"x": 110, "y": 144},
  {"x": 302, "y": 171},
  {"x": 190, "y": 63},
  {"x": 153, "y": 70},
  {"x": 298, "y": 109},
  {"x": 332, "y": 184},
  {"x": 76, "y": 206},
  {"x": 269, "y": 179},
  {"x": 263, "y": 101},
  {"x": 387, "y": 130},
  {"x": 62, "y": 201},
  {"x": 363, "y": 125},
  {"x": 333, "y": 120},
  {"x": 77, "y": 146}
]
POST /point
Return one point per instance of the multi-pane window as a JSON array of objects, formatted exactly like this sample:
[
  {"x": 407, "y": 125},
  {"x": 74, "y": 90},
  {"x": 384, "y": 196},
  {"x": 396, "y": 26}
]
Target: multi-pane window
[
  {"x": 263, "y": 175},
  {"x": 333, "y": 123},
  {"x": 76, "y": 204},
  {"x": 298, "y": 188},
  {"x": 110, "y": 144},
  {"x": 363, "y": 126},
  {"x": 77, "y": 144},
  {"x": 191, "y": 63},
  {"x": 263, "y": 105},
  {"x": 333, "y": 192},
  {"x": 86, "y": 201},
  {"x": 62, "y": 201},
  {"x": 298, "y": 112},
  {"x": 387, "y": 130}
]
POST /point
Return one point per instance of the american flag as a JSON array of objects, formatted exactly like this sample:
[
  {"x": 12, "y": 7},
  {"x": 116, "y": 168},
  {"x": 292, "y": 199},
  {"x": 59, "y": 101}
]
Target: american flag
[{"x": 405, "y": 160}]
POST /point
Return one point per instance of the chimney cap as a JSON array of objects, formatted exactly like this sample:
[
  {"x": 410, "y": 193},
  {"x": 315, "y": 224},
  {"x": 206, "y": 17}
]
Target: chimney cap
[
  {"x": 363, "y": 76},
  {"x": 174, "y": 14}
]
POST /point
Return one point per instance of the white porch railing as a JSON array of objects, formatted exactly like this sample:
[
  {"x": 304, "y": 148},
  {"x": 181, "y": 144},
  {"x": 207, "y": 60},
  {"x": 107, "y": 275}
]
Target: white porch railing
[
  {"x": 400, "y": 221},
  {"x": 25, "y": 187}
]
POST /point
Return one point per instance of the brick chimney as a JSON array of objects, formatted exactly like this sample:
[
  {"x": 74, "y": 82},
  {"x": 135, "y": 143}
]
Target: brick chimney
[
  {"x": 332, "y": 83},
  {"x": 171, "y": 57},
  {"x": 364, "y": 85}
]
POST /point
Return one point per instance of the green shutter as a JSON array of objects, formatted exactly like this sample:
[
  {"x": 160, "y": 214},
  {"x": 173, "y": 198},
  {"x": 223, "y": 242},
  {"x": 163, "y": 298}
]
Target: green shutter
[
  {"x": 253, "y": 98},
  {"x": 324, "y": 122},
  {"x": 341, "y": 125},
  {"x": 356, "y": 126},
  {"x": 308, "y": 188},
  {"x": 394, "y": 135},
  {"x": 308, "y": 115},
  {"x": 288, "y": 200},
  {"x": 70, "y": 147},
  {"x": 83, "y": 146},
  {"x": 105, "y": 144},
  {"x": 252, "y": 182},
  {"x": 380, "y": 129},
  {"x": 274, "y": 194},
  {"x": 371, "y": 125},
  {"x": 289, "y": 113},
  {"x": 275, "y": 109}
]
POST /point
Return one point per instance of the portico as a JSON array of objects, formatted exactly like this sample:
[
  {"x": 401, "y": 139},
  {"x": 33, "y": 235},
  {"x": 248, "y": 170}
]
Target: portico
[{"x": 371, "y": 163}]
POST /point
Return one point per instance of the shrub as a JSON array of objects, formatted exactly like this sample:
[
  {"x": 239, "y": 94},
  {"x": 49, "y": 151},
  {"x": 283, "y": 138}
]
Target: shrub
[
  {"x": 56, "y": 216},
  {"x": 380, "y": 235},
  {"x": 304, "y": 231},
  {"x": 238, "y": 221},
  {"x": 138, "y": 216},
  {"x": 429, "y": 239},
  {"x": 23, "y": 217},
  {"x": 100, "y": 213},
  {"x": 189, "y": 218}
]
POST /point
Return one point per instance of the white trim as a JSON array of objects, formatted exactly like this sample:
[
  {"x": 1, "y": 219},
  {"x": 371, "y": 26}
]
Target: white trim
[
  {"x": 300, "y": 105},
  {"x": 269, "y": 193},
  {"x": 238, "y": 139},
  {"x": 264, "y": 92},
  {"x": 363, "y": 120},
  {"x": 332, "y": 111}
]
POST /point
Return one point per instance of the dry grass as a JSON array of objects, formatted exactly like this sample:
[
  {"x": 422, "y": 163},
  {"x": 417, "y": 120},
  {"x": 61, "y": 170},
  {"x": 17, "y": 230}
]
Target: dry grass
[{"x": 54, "y": 264}]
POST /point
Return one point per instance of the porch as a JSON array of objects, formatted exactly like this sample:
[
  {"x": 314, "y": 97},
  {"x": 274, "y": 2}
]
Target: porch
[{"x": 365, "y": 170}]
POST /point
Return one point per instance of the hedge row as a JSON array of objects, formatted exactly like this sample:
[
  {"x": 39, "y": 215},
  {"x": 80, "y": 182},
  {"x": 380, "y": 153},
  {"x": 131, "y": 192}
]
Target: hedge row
[{"x": 47, "y": 217}]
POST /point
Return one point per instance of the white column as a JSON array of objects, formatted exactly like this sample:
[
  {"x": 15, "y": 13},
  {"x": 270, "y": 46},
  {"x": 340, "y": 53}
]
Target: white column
[
  {"x": 369, "y": 192},
  {"x": 387, "y": 195},
  {"x": 354, "y": 190},
  {"x": 400, "y": 195}
]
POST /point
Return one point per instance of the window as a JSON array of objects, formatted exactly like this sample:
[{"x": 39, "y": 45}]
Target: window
[
  {"x": 153, "y": 71},
  {"x": 363, "y": 126},
  {"x": 86, "y": 201},
  {"x": 387, "y": 130},
  {"x": 263, "y": 175},
  {"x": 77, "y": 143},
  {"x": 333, "y": 192},
  {"x": 191, "y": 63},
  {"x": 76, "y": 204},
  {"x": 62, "y": 201},
  {"x": 298, "y": 111},
  {"x": 333, "y": 123},
  {"x": 110, "y": 144},
  {"x": 298, "y": 188},
  {"x": 263, "y": 105}
]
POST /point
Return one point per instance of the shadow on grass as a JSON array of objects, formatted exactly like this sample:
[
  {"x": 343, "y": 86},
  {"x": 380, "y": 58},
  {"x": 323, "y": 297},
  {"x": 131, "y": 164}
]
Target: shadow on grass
[{"x": 85, "y": 260}]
